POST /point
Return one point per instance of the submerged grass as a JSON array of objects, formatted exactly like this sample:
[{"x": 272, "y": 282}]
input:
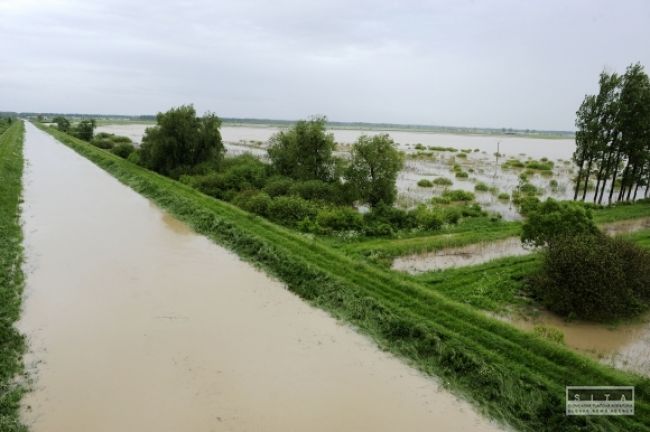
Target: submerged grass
[
  {"x": 511, "y": 375},
  {"x": 12, "y": 344}
]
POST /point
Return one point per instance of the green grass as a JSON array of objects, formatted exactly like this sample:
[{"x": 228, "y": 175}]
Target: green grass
[
  {"x": 12, "y": 344},
  {"x": 495, "y": 286},
  {"x": 512, "y": 376},
  {"x": 641, "y": 237}
]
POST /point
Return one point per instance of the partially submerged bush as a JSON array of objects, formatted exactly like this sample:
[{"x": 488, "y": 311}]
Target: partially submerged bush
[
  {"x": 550, "y": 219},
  {"x": 425, "y": 183},
  {"x": 461, "y": 174},
  {"x": 442, "y": 181},
  {"x": 594, "y": 277},
  {"x": 458, "y": 195},
  {"x": 481, "y": 187}
]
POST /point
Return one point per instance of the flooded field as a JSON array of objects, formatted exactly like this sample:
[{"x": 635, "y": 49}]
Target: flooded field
[
  {"x": 625, "y": 346},
  {"x": 480, "y": 253},
  {"x": 479, "y": 162},
  {"x": 534, "y": 147},
  {"x": 136, "y": 323},
  {"x": 473, "y": 254}
]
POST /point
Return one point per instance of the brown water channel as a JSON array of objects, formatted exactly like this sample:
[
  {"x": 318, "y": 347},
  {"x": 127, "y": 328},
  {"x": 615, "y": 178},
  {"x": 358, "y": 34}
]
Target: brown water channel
[{"x": 135, "y": 323}]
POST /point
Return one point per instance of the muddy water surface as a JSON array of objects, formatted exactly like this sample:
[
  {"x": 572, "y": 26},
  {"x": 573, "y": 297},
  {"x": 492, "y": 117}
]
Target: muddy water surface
[
  {"x": 136, "y": 323},
  {"x": 626, "y": 346}
]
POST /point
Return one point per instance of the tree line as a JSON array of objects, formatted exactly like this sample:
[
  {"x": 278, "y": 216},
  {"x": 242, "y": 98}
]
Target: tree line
[{"x": 613, "y": 138}]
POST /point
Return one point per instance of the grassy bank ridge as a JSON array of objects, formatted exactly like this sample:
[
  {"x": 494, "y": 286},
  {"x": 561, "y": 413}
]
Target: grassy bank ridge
[
  {"x": 509, "y": 374},
  {"x": 12, "y": 344}
]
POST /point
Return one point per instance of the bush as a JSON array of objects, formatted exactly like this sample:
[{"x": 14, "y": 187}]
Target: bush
[
  {"x": 440, "y": 200},
  {"x": 461, "y": 174},
  {"x": 340, "y": 219},
  {"x": 253, "y": 201},
  {"x": 315, "y": 190},
  {"x": 442, "y": 181},
  {"x": 396, "y": 218},
  {"x": 243, "y": 172},
  {"x": 289, "y": 210},
  {"x": 504, "y": 196},
  {"x": 428, "y": 219},
  {"x": 452, "y": 215},
  {"x": 276, "y": 186},
  {"x": 552, "y": 219},
  {"x": 123, "y": 150},
  {"x": 594, "y": 277},
  {"x": 379, "y": 230},
  {"x": 134, "y": 157},
  {"x": 458, "y": 195},
  {"x": 528, "y": 189},
  {"x": 481, "y": 187},
  {"x": 425, "y": 183}
]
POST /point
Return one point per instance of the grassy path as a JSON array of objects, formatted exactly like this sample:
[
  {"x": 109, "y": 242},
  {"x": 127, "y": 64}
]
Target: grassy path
[
  {"x": 511, "y": 375},
  {"x": 12, "y": 344}
]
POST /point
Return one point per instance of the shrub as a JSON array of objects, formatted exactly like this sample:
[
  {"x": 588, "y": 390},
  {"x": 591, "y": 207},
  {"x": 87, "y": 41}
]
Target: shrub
[
  {"x": 452, "y": 215},
  {"x": 481, "y": 187},
  {"x": 528, "y": 189},
  {"x": 428, "y": 219},
  {"x": 551, "y": 219},
  {"x": 442, "y": 181},
  {"x": 339, "y": 219},
  {"x": 461, "y": 174},
  {"x": 253, "y": 201},
  {"x": 278, "y": 185},
  {"x": 462, "y": 155},
  {"x": 504, "y": 196},
  {"x": 440, "y": 200},
  {"x": 243, "y": 172},
  {"x": 379, "y": 230},
  {"x": 396, "y": 218},
  {"x": 473, "y": 210},
  {"x": 123, "y": 150},
  {"x": 458, "y": 195},
  {"x": 425, "y": 183},
  {"x": 594, "y": 277},
  {"x": 553, "y": 184},
  {"x": 419, "y": 146},
  {"x": 315, "y": 190},
  {"x": 290, "y": 210},
  {"x": 134, "y": 157}
]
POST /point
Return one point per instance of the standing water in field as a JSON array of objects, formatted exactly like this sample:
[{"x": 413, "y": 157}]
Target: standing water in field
[{"x": 136, "y": 323}]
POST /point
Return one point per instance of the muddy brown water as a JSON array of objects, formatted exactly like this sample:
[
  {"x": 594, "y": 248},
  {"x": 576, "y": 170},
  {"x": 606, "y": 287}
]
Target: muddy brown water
[
  {"x": 625, "y": 346},
  {"x": 135, "y": 323}
]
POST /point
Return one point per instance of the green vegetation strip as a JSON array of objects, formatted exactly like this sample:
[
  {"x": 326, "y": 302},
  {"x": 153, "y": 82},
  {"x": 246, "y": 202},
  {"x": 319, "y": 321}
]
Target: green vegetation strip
[
  {"x": 472, "y": 231},
  {"x": 12, "y": 344},
  {"x": 511, "y": 375}
]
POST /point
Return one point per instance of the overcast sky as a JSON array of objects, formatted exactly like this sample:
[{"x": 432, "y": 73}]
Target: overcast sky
[{"x": 522, "y": 64}]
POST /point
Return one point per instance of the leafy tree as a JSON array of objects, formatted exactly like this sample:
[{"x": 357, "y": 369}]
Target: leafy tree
[
  {"x": 551, "y": 219},
  {"x": 180, "y": 141},
  {"x": 373, "y": 169},
  {"x": 62, "y": 123},
  {"x": 84, "y": 130},
  {"x": 304, "y": 152},
  {"x": 593, "y": 277},
  {"x": 612, "y": 137}
]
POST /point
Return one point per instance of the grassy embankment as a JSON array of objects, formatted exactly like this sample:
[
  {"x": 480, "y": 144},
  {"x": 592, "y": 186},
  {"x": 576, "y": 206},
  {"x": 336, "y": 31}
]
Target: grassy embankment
[
  {"x": 513, "y": 376},
  {"x": 12, "y": 344},
  {"x": 471, "y": 231}
]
